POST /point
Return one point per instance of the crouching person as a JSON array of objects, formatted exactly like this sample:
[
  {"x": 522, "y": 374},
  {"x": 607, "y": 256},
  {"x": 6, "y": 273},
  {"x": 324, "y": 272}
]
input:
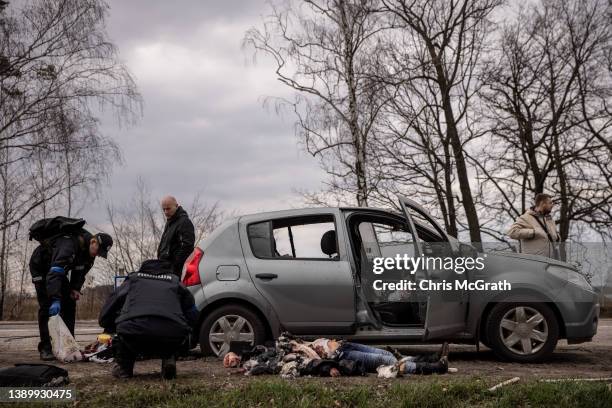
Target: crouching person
[{"x": 152, "y": 314}]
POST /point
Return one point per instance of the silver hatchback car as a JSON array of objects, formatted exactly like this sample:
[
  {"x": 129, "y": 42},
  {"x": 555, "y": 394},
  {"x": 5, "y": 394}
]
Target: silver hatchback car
[{"x": 309, "y": 272}]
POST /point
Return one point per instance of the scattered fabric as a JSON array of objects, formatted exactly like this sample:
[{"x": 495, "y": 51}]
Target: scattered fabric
[
  {"x": 100, "y": 351},
  {"x": 291, "y": 357}
]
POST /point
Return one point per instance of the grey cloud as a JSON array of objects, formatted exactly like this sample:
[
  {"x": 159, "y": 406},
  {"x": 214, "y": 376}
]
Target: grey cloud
[
  {"x": 138, "y": 20},
  {"x": 204, "y": 127}
]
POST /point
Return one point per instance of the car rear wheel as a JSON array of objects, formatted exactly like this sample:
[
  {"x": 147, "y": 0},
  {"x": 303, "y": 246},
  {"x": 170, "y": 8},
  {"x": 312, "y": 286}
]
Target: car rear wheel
[
  {"x": 522, "y": 332},
  {"x": 230, "y": 323}
]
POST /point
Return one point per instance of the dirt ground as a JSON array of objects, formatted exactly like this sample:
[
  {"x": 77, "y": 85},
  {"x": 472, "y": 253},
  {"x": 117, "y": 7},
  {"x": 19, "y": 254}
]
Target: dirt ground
[{"x": 18, "y": 345}]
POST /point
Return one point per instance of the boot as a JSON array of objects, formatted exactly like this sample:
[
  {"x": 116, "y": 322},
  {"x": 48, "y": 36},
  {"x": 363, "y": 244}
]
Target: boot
[
  {"x": 444, "y": 350},
  {"x": 439, "y": 367},
  {"x": 168, "y": 368},
  {"x": 123, "y": 370},
  {"x": 46, "y": 355}
]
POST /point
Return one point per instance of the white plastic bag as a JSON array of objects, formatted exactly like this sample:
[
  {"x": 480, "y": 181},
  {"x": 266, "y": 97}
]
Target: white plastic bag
[{"x": 64, "y": 346}]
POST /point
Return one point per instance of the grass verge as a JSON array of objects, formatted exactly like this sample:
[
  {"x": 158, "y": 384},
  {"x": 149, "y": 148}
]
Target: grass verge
[{"x": 275, "y": 392}]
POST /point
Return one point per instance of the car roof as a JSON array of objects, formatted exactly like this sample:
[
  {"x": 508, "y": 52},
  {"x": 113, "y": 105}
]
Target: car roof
[{"x": 296, "y": 212}]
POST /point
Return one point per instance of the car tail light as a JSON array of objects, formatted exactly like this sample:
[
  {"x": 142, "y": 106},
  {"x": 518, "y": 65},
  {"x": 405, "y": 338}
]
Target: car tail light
[{"x": 191, "y": 274}]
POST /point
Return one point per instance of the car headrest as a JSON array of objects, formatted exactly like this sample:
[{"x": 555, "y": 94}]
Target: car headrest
[{"x": 329, "y": 245}]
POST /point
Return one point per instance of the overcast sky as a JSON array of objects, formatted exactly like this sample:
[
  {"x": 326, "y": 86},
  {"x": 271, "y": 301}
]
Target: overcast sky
[{"x": 204, "y": 126}]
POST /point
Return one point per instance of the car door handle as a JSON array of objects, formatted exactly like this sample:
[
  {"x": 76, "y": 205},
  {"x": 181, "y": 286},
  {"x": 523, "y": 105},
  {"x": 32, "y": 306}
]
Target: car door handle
[{"x": 266, "y": 276}]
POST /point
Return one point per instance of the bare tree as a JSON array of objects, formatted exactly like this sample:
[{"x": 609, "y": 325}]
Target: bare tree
[
  {"x": 57, "y": 68},
  {"x": 327, "y": 51},
  {"x": 136, "y": 230},
  {"x": 548, "y": 101},
  {"x": 446, "y": 40},
  {"x": 414, "y": 156},
  {"x": 137, "y": 227}
]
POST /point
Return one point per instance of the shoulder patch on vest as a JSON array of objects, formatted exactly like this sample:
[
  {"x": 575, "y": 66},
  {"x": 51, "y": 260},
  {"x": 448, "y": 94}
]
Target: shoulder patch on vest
[{"x": 158, "y": 277}]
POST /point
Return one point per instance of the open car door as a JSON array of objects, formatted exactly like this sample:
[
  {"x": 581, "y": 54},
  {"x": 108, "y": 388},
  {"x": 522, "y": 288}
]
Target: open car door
[{"x": 446, "y": 309}]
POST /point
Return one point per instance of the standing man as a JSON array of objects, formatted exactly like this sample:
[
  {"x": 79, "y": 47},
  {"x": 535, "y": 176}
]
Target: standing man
[
  {"x": 58, "y": 267},
  {"x": 536, "y": 229},
  {"x": 178, "y": 238}
]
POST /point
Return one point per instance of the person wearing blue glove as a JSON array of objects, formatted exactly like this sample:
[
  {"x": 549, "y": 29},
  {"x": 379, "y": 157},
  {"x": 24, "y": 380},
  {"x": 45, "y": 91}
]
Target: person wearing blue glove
[
  {"x": 58, "y": 267},
  {"x": 55, "y": 308}
]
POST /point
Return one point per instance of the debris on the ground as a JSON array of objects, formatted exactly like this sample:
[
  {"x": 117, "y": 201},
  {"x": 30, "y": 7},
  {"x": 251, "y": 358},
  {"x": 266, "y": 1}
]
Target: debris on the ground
[
  {"x": 501, "y": 384},
  {"x": 597, "y": 379}
]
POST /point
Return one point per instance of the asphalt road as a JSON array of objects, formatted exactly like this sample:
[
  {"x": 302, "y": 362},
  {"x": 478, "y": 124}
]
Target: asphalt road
[{"x": 23, "y": 336}]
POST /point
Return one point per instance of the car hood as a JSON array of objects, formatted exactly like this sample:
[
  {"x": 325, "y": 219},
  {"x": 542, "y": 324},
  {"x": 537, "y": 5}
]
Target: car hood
[{"x": 530, "y": 257}]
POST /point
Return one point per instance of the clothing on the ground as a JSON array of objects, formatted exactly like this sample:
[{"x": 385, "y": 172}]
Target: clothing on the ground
[
  {"x": 323, "y": 345},
  {"x": 533, "y": 229},
  {"x": 99, "y": 352},
  {"x": 275, "y": 360},
  {"x": 291, "y": 357},
  {"x": 177, "y": 241},
  {"x": 323, "y": 367}
]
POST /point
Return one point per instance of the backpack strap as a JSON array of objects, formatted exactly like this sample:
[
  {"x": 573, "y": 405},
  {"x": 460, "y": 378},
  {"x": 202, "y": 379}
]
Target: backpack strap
[{"x": 544, "y": 228}]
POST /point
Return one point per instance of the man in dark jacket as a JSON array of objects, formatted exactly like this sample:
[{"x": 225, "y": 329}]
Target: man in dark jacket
[
  {"x": 152, "y": 314},
  {"x": 58, "y": 270},
  {"x": 178, "y": 238}
]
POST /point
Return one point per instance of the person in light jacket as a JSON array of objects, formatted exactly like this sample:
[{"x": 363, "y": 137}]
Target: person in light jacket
[{"x": 536, "y": 229}]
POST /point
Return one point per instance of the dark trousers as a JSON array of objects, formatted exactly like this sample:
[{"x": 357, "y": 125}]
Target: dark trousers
[
  {"x": 67, "y": 313},
  {"x": 129, "y": 348}
]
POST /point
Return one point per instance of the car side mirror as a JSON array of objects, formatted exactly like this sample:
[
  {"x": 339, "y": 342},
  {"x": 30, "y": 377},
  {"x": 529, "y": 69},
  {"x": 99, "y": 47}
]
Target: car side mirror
[
  {"x": 437, "y": 249},
  {"x": 467, "y": 251}
]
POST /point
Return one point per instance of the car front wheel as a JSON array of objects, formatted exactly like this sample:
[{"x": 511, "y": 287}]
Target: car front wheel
[
  {"x": 522, "y": 332},
  {"x": 230, "y": 323}
]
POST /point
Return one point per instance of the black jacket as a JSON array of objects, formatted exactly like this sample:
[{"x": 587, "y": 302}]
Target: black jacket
[
  {"x": 69, "y": 252},
  {"x": 177, "y": 241},
  {"x": 150, "y": 302}
]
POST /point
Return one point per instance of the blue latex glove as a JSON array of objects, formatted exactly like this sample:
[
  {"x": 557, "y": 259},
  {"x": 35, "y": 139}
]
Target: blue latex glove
[{"x": 54, "y": 308}]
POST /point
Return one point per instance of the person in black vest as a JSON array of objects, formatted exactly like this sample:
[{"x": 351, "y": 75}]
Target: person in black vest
[
  {"x": 58, "y": 270},
  {"x": 152, "y": 314},
  {"x": 178, "y": 238}
]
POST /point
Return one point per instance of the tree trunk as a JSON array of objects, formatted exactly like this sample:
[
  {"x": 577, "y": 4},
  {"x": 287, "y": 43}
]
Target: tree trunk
[
  {"x": 453, "y": 136},
  {"x": 358, "y": 143},
  {"x": 450, "y": 199}
]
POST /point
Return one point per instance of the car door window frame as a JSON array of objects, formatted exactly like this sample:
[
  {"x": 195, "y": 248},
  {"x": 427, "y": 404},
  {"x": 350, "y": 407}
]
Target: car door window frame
[
  {"x": 381, "y": 216},
  {"x": 298, "y": 217}
]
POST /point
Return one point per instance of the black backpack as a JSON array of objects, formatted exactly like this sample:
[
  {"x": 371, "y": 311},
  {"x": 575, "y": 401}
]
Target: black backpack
[
  {"x": 48, "y": 228},
  {"x": 33, "y": 375}
]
